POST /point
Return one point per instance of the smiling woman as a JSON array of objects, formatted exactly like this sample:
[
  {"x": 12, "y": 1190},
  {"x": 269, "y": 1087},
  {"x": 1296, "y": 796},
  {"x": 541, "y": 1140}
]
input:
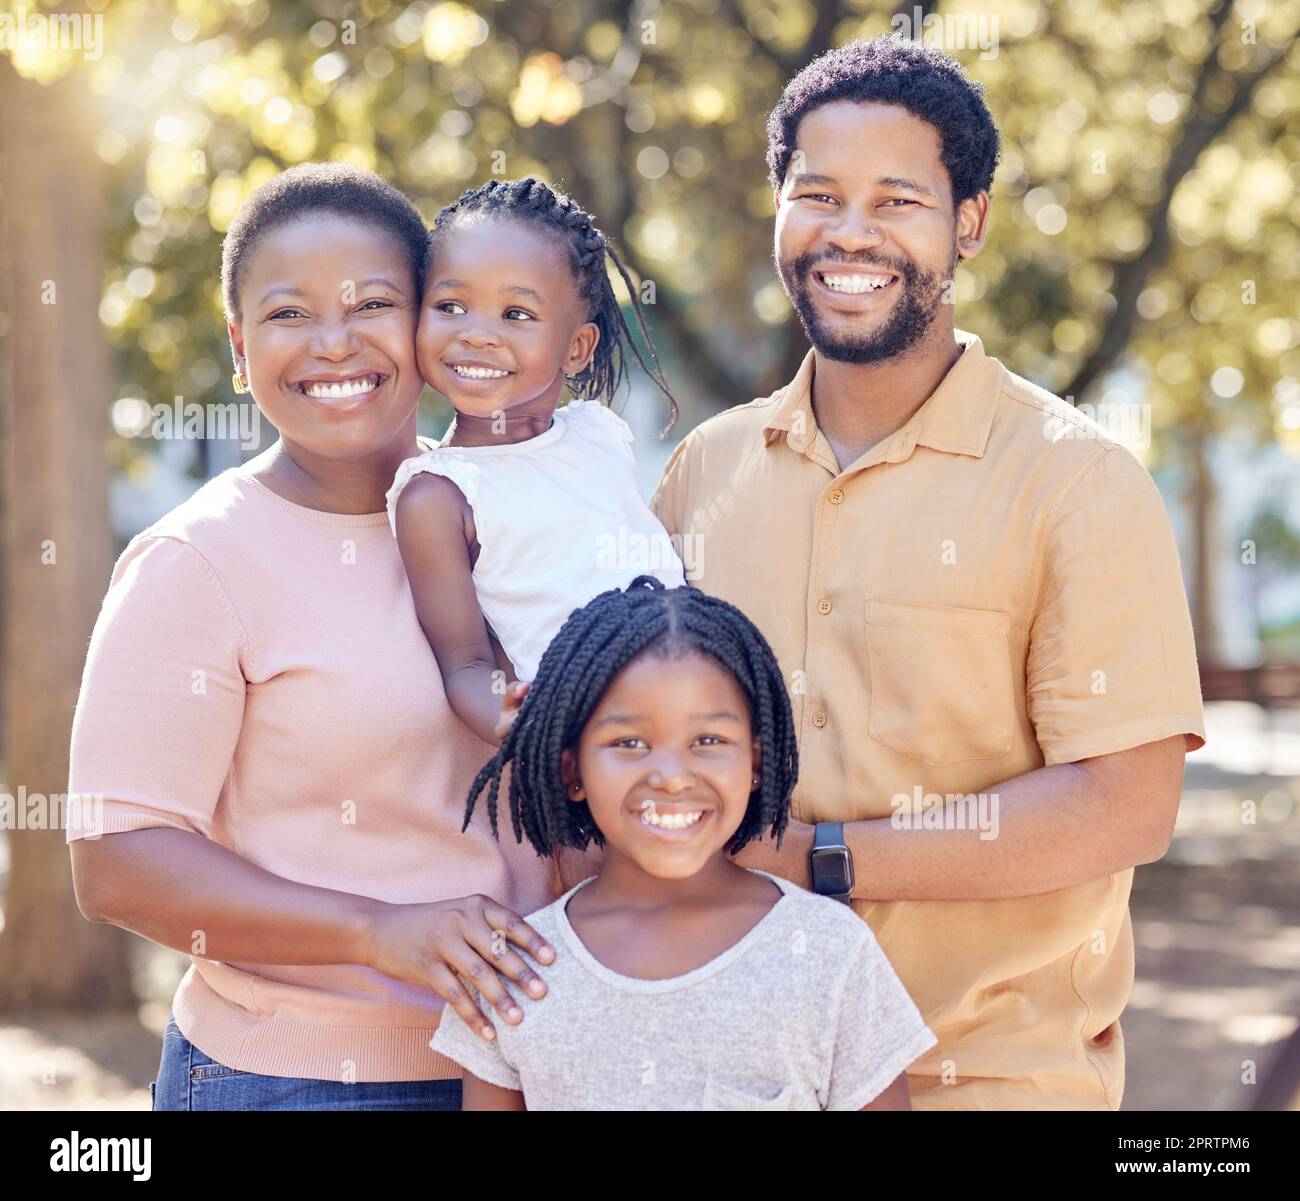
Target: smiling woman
[
  {"x": 322, "y": 309},
  {"x": 289, "y": 821}
]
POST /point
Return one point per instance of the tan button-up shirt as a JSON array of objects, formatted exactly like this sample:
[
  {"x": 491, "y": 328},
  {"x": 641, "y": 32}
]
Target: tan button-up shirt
[{"x": 992, "y": 588}]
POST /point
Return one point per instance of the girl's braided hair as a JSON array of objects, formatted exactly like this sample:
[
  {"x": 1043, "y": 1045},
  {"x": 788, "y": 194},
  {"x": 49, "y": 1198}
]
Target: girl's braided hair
[
  {"x": 553, "y": 211},
  {"x": 595, "y": 643}
]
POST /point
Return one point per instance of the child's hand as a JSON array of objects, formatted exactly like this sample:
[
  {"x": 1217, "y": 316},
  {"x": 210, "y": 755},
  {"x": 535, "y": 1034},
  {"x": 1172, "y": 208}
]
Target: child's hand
[{"x": 510, "y": 704}]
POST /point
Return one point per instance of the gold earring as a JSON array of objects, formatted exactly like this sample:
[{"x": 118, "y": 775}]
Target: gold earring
[{"x": 238, "y": 381}]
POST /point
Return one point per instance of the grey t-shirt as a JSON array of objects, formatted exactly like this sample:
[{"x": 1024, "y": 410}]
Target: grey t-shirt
[{"x": 804, "y": 1012}]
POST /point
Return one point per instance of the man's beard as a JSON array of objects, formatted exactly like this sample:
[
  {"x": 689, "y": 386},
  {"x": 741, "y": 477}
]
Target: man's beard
[{"x": 909, "y": 320}]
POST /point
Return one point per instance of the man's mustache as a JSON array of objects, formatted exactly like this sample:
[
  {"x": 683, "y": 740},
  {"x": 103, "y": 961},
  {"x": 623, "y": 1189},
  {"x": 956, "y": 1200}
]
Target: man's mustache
[{"x": 799, "y": 268}]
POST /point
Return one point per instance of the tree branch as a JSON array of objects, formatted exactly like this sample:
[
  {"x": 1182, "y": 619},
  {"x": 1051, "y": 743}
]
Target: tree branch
[
  {"x": 735, "y": 14},
  {"x": 693, "y": 348},
  {"x": 1131, "y": 275}
]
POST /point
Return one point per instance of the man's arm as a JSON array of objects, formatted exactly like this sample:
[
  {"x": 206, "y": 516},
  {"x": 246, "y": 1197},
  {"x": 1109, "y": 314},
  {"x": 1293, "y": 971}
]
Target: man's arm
[
  {"x": 575, "y": 866},
  {"x": 1054, "y": 827},
  {"x": 670, "y": 499},
  {"x": 895, "y": 1096}
]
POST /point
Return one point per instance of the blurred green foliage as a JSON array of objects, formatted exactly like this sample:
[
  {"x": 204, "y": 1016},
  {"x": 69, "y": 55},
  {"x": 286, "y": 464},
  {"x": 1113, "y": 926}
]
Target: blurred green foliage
[{"x": 653, "y": 115}]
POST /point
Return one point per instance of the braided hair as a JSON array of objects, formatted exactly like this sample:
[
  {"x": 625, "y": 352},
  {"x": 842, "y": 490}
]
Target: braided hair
[
  {"x": 595, "y": 643},
  {"x": 573, "y": 228}
]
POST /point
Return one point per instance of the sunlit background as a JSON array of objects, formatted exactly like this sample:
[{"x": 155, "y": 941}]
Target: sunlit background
[{"x": 1142, "y": 260}]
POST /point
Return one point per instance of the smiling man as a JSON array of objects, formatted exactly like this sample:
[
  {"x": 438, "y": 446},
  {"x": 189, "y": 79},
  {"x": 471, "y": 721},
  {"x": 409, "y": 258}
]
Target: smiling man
[{"x": 971, "y": 590}]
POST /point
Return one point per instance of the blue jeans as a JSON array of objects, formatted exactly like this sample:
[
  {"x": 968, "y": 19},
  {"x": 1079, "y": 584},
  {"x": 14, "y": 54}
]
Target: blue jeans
[{"x": 189, "y": 1080}]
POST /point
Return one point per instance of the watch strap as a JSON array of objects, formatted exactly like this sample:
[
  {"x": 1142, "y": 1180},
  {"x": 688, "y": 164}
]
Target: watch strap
[{"x": 829, "y": 836}]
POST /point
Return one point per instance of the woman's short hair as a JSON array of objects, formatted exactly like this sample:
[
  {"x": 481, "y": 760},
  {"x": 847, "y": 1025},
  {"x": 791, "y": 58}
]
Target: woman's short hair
[{"x": 338, "y": 188}]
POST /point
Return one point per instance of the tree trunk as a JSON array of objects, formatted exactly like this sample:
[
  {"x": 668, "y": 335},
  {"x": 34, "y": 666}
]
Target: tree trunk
[{"x": 54, "y": 393}]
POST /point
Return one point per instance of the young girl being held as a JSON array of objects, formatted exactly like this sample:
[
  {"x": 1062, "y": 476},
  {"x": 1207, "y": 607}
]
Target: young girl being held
[
  {"x": 526, "y": 511},
  {"x": 658, "y": 725}
]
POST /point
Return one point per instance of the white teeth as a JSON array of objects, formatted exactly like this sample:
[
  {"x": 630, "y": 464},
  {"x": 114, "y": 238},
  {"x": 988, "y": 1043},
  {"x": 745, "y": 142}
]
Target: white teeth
[
  {"x": 670, "y": 821},
  {"x": 478, "y": 372},
  {"x": 856, "y": 283},
  {"x": 343, "y": 389}
]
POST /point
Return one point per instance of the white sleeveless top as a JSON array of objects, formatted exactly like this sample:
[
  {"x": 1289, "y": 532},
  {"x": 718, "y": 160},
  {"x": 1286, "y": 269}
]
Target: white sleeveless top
[{"x": 560, "y": 519}]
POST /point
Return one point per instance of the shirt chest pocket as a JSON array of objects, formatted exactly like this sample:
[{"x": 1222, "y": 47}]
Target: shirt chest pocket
[{"x": 941, "y": 687}]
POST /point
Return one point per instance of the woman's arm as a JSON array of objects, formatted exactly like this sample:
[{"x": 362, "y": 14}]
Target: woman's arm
[
  {"x": 432, "y": 534},
  {"x": 479, "y": 1094},
  {"x": 220, "y": 906}
]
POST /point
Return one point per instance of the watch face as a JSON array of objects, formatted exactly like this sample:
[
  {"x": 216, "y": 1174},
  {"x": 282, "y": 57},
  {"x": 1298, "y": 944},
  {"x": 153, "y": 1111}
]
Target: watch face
[{"x": 832, "y": 871}]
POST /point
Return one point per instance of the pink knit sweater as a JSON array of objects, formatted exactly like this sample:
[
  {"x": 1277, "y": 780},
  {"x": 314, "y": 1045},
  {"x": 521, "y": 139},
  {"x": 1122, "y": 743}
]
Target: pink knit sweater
[{"x": 258, "y": 675}]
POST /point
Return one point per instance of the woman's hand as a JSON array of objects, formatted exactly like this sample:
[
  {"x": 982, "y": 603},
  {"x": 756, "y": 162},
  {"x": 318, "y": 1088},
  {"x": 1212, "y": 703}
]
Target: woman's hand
[
  {"x": 510, "y": 704},
  {"x": 437, "y": 943}
]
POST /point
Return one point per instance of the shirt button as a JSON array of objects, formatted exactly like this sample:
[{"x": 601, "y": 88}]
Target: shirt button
[
  {"x": 819, "y": 719},
  {"x": 836, "y": 496},
  {"x": 823, "y": 606}
]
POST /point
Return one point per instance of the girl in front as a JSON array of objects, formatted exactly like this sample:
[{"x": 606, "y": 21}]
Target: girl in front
[
  {"x": 658, "y": 725},
  {"x": 526, "y": 511}
]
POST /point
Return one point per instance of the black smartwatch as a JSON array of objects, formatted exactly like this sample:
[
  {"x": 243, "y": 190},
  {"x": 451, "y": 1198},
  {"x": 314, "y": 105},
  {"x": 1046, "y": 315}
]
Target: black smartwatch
[{"x": 830, "y": 865}]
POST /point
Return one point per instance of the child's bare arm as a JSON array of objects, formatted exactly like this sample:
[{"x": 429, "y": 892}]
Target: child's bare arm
[
  {"x": 895, "y": 1096},
  {"x": 432, "y": 536},
  {"x": 479, "y": 1094}
]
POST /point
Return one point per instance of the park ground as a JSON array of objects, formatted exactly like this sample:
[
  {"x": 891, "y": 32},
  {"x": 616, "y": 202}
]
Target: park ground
[{"x": 1216, "y": 925}]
